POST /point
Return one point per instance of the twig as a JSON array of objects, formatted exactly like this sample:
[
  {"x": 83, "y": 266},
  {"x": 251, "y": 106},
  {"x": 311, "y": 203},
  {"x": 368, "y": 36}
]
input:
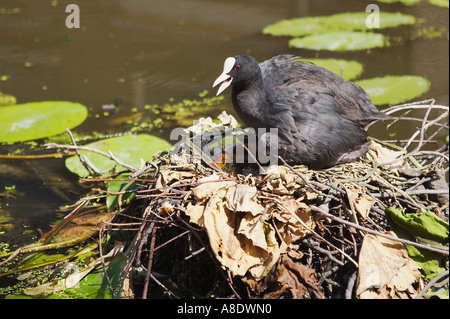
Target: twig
[
  {"x": 307, "y": 183},
  {"x": 254, "y": 158},
  {"x": 84, "y": 160},
  {"x": 102, "y": 259},
  {"x": 421, "y": 131},
  {"x": 350, "y": 285},
  {"x": 414, "y": 105},
  {"x": 315, "y": 233},
  {"x": 374, "y": 232},
  {"x": 90, "y": 149},
  {"x": 432, "y": 283},
  {"x": 417, "y": 192},
  {"x": 315, "y": 245},
  {"x": 39, "y": 156},
  {"x": 150, "y": 260},
  {"x": 163, "y": 287}
]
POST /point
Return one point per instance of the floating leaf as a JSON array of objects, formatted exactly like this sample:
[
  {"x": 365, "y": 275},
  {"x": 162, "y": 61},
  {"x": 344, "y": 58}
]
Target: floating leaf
[
  {"x": 405, "y": 2},
  {"x": 340, "y": 41},
  {"x": 394, "y": 89},
  {"x": 351, "y": 69},
  {"x": 347, "y": 21},
  {"x": 130, "y": 149},
  {"x": 35, "y": 120},
  {"x": 440, "y": 3},
  {"x": 96, "y": 285},
  {"x": 297, "y": 27}
]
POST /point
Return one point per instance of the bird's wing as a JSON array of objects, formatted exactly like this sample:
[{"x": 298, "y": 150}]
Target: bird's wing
[
  {"x": 354, "y": 103},
  {"x": 310, "y": 125}
]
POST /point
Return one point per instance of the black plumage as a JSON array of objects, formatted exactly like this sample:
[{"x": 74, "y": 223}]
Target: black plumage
[{"x": 321, "y": 117}]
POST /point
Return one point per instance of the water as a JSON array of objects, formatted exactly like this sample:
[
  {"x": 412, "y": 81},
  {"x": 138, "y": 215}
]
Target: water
[{"x": 138, "y": 52}]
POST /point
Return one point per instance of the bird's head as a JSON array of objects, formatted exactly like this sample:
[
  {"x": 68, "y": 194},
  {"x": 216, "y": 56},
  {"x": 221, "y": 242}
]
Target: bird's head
[{"x": 237, "y": 69}]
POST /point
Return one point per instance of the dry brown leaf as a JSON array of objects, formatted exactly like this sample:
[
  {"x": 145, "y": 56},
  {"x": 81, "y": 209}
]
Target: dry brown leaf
[
  {"x": 235, "y": 252},
  {"x": 206, "y": 190},
  {"x": 290, "y": 228},
  {"x": 195, "y": 213},
  {"x": 363, "y": 204},
  {"x": 280, "y": 180},
  {"x": 242, "y": 198},
  {"x": 261, "y": 235},
  {"x": 287, "y": 279},
  {"x": 276, "y": 186},
  {"x": 239, "y": 242},
  {"x": 253, "y": 229},
  {"x": 384, "y": 155},
  {"x": 360, "y": 200},
  {"x": 384, "y": 269},
  {"x": 169, "y": 175}
]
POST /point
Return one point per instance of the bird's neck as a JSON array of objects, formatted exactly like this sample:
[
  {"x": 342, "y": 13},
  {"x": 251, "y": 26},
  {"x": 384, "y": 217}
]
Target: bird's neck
[{"x": 249, "y": 102}]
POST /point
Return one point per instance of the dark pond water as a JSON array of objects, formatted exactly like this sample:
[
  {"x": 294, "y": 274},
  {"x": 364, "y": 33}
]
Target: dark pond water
[{"x": 138, "y": 52}]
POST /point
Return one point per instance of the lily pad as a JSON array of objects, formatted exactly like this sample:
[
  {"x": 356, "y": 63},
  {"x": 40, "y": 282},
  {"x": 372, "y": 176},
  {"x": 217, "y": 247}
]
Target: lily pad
[
  {"x": 96, "y": 285},
  {"x": 440, "y": 3},
  {"x": 130, "y": 149},
  {"x": 351, "y": 69},
  {"x": 340, "y": 41},
  {"x": 394, "y": 89},
  {"x": 347, "y": 21},
  {"x": 404, "y": 2},
  {"x": 120, "y": 186},
  {"x": 35, "y": 120}
]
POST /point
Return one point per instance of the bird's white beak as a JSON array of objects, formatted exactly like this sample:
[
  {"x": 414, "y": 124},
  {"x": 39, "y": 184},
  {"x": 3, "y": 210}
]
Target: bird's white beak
[{"x": 224, "y": 77}]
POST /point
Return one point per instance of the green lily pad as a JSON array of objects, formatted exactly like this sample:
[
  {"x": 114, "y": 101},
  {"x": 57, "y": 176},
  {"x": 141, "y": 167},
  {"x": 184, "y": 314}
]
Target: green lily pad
[
  {"x": 352, "y": 69},
  {"x": 404, "y": 2},
  {"x": 35, "y": 120},
  {"x": 340, "y": 41},
  {"x": 120, "y": 186},
  {"x": 394, "y": 89},
  {"x": 96, "y": 285},
  {"x": 130, "y": 149},
  {"x": 440, "y": 3},
  {"x": 347, "y": 21}
]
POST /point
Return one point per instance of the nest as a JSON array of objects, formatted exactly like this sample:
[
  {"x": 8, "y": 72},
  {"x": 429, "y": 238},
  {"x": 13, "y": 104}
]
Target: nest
[
  {"x": 289, "y": 232},
  {"x": 196, "y": 230}
]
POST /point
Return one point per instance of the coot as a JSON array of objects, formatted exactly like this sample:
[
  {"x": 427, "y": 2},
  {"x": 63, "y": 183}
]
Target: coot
[{"x": 321, "y": 118}]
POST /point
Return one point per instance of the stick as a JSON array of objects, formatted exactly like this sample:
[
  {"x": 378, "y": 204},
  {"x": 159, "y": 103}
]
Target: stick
[
  {"x": 313, "y": 232},
  {"x": 150, "y": 261},
  {"x": 376, "y": 233},
  {"x": 84, "y": 160},
  {"x": 432, "y": 283},
  {"x": 89, "y": 149}
]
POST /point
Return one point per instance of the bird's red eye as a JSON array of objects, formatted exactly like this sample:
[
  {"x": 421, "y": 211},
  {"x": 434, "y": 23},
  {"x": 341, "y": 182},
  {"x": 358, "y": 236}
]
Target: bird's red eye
[{"x": 238, "y": 67}]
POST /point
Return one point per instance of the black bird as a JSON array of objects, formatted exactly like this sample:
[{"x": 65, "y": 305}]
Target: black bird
[{"x": 321, "y": 117}]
